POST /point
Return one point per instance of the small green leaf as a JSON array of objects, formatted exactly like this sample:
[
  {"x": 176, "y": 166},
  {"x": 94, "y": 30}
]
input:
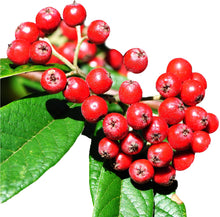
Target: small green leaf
[
  {"x": 7, "y": 68},
  {"x": 35, "y": 133}
]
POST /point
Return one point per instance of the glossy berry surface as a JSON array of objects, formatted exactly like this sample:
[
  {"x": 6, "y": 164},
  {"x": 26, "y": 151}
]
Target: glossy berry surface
[
  {"x": 48, "y": 19},
  {"x": 139, "y": 115},
  {"x": 115, "y": 126},
  {"x": 168, "y": 85},
  {"x": 141, "y": 171},
  {"x": 98, "y": 31},
  {"x": 122, "y": 162},
  {"x": 40, "y": 52},
  {"x": 74, "y": 14},
  {"x": 107, "y": 148},
  {"x": 196, "y": 118},
  {"x": 114, "y": 58},
  {"x": 192, "y": 92},
  {"x": 53, "y": 80},
  {"x": 94, "y": 108},
  {"x": 200, "y": 141},
  {"x": 181, "y": 68},
  {"x": 27, "y": 31},
  {"x": 132, "y": 144},
  {"x": 180, "y": 136},
  {"x": 200, "y": 78},
  {"x": 87, "y": 51},
  {"x": 160, "y": 155},
  {"x": 99, "y": 80},
  {"x": 77, "y": 90},
  {"x": 18, "y": 52},
  {"x": 135, "y": 60},
  {"x": 130, "y": 92},
  {"x": 157, "y": 131},
  {"x": 213, "y": 123},
  {"x": 172, "y": 110},
  {"x": 67, "y": 50}
]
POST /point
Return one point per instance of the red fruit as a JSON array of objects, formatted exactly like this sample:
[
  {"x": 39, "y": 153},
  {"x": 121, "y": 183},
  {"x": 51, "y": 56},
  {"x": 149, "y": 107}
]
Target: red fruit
[
  {"x": 99, "y": 80},
  {"x": 160, "y": 155},
  {"x": 68, "y": 50},
  {"x": 141, "y": 171},
  {"x": 132, "y": 144},
  {"x": 180, "y": 136},
  {"x": 139, "y": 115},
  {"x": 130, "y": 92},
  {"x": 98, "y": 31},
  {"x": 107, "y": 148},
  {"x": 53, "y": 80},
  {"x": 114, "y": 58},
  {"x": 27, "y": 31},
  {"x": 213, "y": 123},
  {"x": 168, "y": 85},
  {"x": 96, "y": 62},
  {"x": 123, "y": 70},
  {"x": 40, "y": 52},
  {"x": 199, "y": 77},
  {"x": 122, "y": 162},
  {"x": 87, "y": 51},
  {"x": 183, "y": 160},
  {"x": 48, "y": 19},
  {"x": 157, "y": 131},
  {"x": 164, "y": 176},
  {"x": 94, "y": 108},
  {"x": 172, "y": 110},
  {"x": 76, "y": 90},
  {"x": 196, "y": 118},
  {"x": 192, "y": 92},
  {"x": 181, "y": 68},
  {"x": 115, "y": 126},
  {"x": 135, "y": 60},
  {"x": 18, "y": 52},
  {"x": 74, "y": 14},
  {"x": 200, "y": 141}
]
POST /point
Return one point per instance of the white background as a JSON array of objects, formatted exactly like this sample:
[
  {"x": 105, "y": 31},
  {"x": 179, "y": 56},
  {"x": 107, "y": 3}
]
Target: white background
[{"x": 165, "y": 29}]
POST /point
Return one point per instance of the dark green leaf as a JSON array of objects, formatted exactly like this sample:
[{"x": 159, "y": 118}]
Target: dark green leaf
[
  {"x": 35, "y": 133},
  {"x": 7, "y": 68}
]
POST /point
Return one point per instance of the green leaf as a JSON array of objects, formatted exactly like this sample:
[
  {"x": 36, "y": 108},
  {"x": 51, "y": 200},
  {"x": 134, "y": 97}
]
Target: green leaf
[
  {"x": 115, "y": 195},
  {"x": 35, "y": 133},
  {"x": 7, "y": 68}
]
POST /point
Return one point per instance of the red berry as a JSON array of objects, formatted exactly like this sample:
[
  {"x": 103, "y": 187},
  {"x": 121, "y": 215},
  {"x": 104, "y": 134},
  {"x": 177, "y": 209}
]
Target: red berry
[
  {"x": 181, "y": 68},
  {"x": 27, "y": 31},
  {"x": 135, "y": 60},
  {"x": 53, "y": 80},
  {"x": 172, "y": 110},
  {"x": 130, "y": 92},
  {"x": 96, "y": 62},
  {"x": 183, "y": 160},
  {"x": 94, "y": 108},
  {"x": 168, "y": 85},
  {"x": 99, "y": 80},
  {"x": 199, "y": 77},
  {"x": 107, "y": 148},
  {"x": 123, "y": 70},
  {"x": 87, "y": 51},
  {"x": 157, "y": 131},
  {"x": 192, "y": 92},
  {"x": 141, "y": 171},
  {"x": 115, "y": 126},
  {"x": 180, "y": 136},
  {"x": 18, "y": 52},
  {"x": 68, "y": 50},
  {"x": 213, "y": 123},
  {"x": 74, "y": 14},
  {"x": 76, "y": 90},
  {"x": 139, "y": 115},
  {"x": 122, "y": 162},
  {"x": 164, "y": 176},
  {"x": 160, "y": 155},
  {"x": 114, "y": 58},
  {"x": 48, "y": 19},
  {"x": 98, "y": 31},
  {"x": 200, "y": 141},
  {"x": 132, "y": 144},
  {"x": 40, "y": 52},
  {"x": 196, "y": 118}
]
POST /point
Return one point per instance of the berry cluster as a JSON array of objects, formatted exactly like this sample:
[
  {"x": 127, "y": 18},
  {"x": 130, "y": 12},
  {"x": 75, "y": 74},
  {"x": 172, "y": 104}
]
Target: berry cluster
[{"x": 148, "y": 146}]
